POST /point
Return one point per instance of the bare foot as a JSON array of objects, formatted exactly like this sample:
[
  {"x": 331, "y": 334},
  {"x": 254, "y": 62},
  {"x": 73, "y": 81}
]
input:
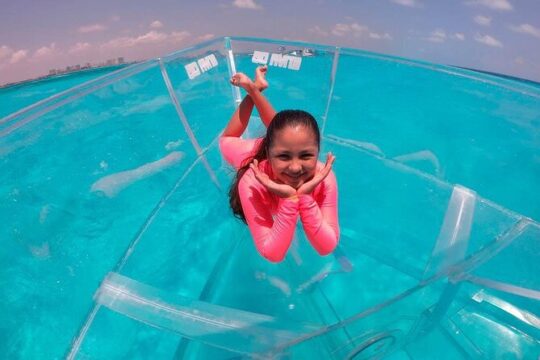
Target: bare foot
[
  {"x": 260, "y": 77},
  {"x": 242, "y": 80}
]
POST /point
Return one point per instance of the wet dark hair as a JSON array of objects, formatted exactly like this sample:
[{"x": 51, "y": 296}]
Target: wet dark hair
[{"x": 280, "y": 121}]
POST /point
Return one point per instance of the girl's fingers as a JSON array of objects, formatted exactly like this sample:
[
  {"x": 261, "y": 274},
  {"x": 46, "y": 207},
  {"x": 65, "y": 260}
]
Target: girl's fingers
[
  {"x": 259, "y": 175},
  {"x": 328, "y": 166},
  {"x": 330, "y": 158},
  {"x": 255, "y": 166},
  {"x": 255, "y": 170},
  {"x": 325, "y": 173},
  {"x": 329, "y": 161}
]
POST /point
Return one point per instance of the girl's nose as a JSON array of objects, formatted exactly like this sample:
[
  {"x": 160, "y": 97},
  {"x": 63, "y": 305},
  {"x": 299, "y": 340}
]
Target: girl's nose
[{"x": 295, "y": 166}]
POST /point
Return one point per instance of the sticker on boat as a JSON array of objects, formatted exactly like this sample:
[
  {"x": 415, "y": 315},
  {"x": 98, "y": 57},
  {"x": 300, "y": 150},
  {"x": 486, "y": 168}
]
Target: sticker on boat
[
  {"x": 278, "y": 60},
  {"x": 200, "y": 66}
]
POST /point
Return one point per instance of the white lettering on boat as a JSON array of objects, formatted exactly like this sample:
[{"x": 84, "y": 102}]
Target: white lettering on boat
[
  {"x": 200, "y": 66},
  {"x": 260, "y": 57},
  {"x": 278, "y": 60}
]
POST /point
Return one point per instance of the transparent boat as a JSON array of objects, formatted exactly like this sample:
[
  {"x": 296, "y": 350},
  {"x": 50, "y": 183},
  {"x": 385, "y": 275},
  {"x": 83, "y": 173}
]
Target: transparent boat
[{"x": 118, "y": 242}]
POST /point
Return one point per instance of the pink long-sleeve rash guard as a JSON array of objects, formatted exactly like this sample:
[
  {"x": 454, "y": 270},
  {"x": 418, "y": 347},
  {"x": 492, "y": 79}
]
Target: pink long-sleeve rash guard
[{"x": 271, "y": 219}]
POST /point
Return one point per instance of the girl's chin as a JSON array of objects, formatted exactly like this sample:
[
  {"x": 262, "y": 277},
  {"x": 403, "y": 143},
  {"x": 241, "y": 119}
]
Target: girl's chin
[{"x": 295, "y": 184}]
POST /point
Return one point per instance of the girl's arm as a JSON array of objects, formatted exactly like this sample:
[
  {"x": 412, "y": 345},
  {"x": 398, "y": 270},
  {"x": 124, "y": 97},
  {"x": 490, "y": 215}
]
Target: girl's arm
[
  {"x": 272, "y": 235},
  {"x": 320, "y": 220}
]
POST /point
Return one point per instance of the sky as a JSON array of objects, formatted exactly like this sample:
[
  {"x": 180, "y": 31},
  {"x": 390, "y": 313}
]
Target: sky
[{"x": 500, "y": 36}]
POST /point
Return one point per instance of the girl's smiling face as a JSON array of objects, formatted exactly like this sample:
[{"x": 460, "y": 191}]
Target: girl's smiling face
[{"x": 293, "y": 155}]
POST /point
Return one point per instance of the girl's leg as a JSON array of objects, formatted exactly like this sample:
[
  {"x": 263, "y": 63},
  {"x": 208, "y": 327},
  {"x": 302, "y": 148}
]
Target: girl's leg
[
  {"x": 240, "y": 118},
  {"x": 265, "y": 109}
]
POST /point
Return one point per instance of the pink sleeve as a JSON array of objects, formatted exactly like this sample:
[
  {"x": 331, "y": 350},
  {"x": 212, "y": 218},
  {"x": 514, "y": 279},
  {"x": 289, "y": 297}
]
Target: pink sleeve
[
  {"x": 272, "y": 236},
  {"x": 319, "y": 217},
  {"x": 235, "y": 149}
]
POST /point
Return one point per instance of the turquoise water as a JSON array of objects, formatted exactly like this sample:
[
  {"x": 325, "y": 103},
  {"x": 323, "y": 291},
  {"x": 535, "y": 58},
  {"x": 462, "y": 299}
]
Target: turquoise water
[{"x": 120, "y": 243}]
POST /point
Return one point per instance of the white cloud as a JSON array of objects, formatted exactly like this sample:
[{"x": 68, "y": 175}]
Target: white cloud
[
  {"x": 204, "y": 37},
  {"x": 488, "y": 40},
  {"x": 340, "y": 29},
  {"x": 354, "y": 29},
  {"x": 440, "y": 36},
  {"x": 503, "y": 5},
  {"x": 246, "y": 4},
  {"x": 151, "y": 37},
  {"x": 385, "y": 36},
  {"x": 18, "y": 56},
  {"x": 45, "y": 51},
  {"x": 519, "y": 60},
  {"x": 318, "y": 31},
  {"x": 527, "y": 29},
  {"x": 408, "y": 3},
  {"x": 482, "y": 20},
  {"x": 79, "y": 47},
  {"x": 156, "y": 24},
  {"x": 178, "y": 36},
  {"x": 5, "y": 52},
  {"x": 437, "y": 36},
  {"x": 91, "y": 28}
]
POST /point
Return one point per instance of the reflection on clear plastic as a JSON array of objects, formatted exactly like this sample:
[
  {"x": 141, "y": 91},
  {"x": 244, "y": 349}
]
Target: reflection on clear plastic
[
  {"x": 219, "y": 326},
  {"x": 112, "y": 184},
  {"x": 520, "y": 314},
  {"x": 453, "y": 239}
]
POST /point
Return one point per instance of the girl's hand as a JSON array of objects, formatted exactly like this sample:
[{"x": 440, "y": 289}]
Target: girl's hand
[
  {"x": 281, "y": 190},
  {"x": 308, "y": 187}
]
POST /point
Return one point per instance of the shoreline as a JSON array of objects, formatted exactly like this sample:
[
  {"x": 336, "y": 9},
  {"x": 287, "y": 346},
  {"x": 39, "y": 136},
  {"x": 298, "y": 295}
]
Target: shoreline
[
  {"x": 109, "y": 67},
  {"x": 45, "y": 78}
]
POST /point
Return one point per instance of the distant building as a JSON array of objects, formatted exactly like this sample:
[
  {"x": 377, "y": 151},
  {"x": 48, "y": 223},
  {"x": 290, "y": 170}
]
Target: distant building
[{"x": 71, "y": 68}]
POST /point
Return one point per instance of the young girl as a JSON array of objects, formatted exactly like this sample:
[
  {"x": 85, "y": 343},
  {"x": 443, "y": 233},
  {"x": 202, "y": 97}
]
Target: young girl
[{"x": 279, "y": 177}]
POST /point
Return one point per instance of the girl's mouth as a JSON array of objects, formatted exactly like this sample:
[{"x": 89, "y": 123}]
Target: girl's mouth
[{"x": 295, "y": 176}]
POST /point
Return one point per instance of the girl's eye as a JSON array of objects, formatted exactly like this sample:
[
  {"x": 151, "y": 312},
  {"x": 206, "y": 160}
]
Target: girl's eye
[
  {"x": 306, "y": 156},
  {"x": 283, "y": 157}
]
